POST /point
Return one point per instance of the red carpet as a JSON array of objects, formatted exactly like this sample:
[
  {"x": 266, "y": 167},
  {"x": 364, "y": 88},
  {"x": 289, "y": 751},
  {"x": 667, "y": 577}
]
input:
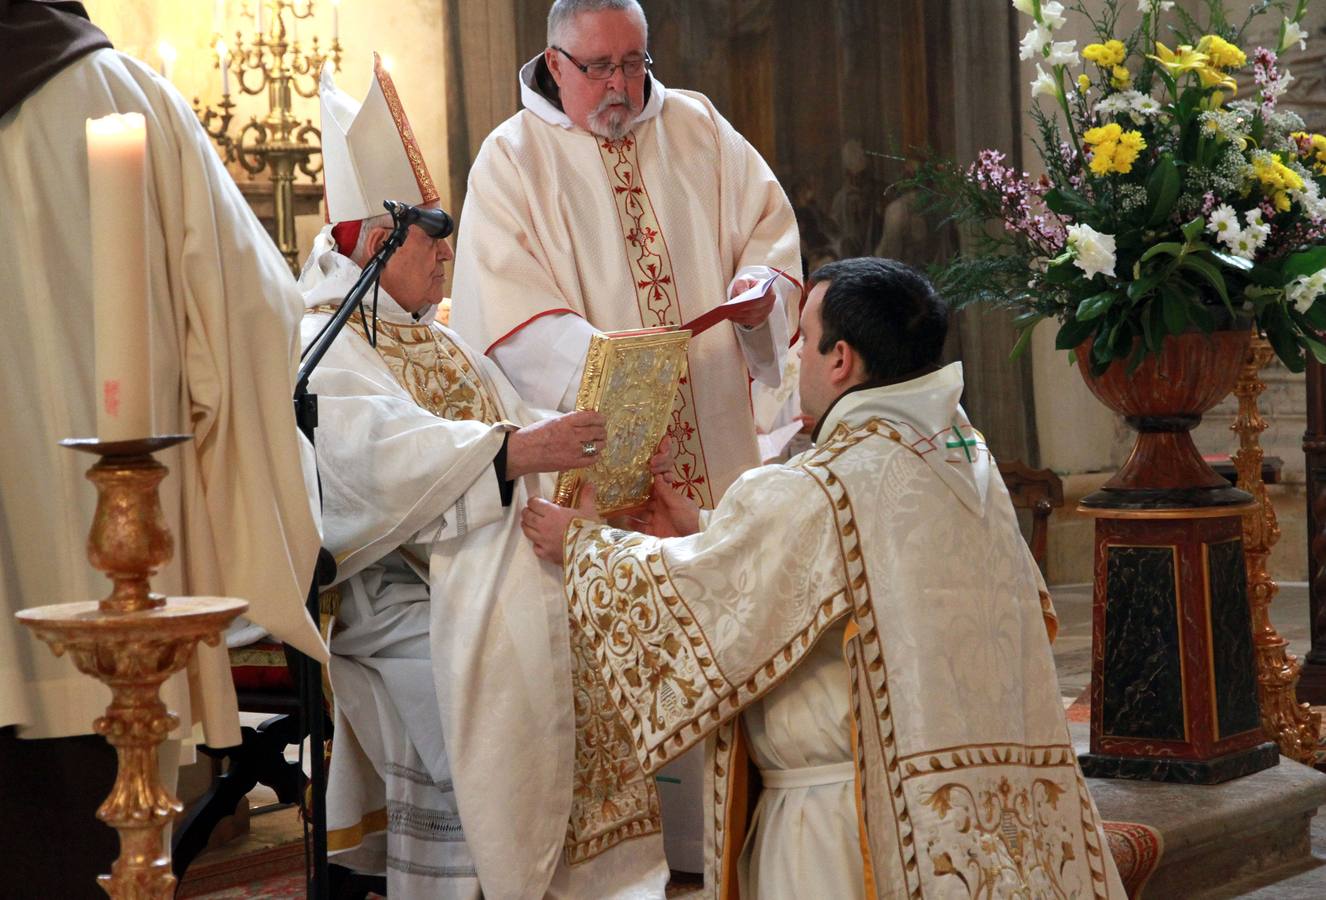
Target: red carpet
[{"x": 1136, "y": 849}]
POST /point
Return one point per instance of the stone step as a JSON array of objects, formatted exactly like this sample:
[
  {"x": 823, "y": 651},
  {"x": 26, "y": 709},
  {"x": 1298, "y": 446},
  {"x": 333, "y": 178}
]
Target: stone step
[{"x": 1227, "y": 837}]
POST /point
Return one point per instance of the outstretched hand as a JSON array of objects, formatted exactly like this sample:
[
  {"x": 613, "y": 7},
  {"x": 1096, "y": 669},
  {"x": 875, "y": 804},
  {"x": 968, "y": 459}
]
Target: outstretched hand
[
  {"x": 570, "y": 441},
  {"x": 545, "y": 523}
]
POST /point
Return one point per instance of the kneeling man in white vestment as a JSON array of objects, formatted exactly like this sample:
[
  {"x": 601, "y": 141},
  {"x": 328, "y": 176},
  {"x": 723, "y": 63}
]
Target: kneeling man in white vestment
[
  {"x": 453, "y": 752},
  {"x": 872, "y": 612}
]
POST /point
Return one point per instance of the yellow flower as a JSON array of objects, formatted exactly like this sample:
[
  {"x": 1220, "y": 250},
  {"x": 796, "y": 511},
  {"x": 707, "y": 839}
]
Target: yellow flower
[
  {"x": 1222, "y": 53},
  {"x": 1185, "y": 59},
  {"x": 1106, "y": 55},
  {"x": 1103, "y": 134},
  {"x": 1276, "y": 179},
  {"x": 1113, "y": 149},
  {"x": 1120, "y": 78},
  {"x": 1102, "y": 158},
  {"x": 1132, "y": 140},
  {"x": 1083, "y": 83},
  {"x": 1312, "y": 148}
]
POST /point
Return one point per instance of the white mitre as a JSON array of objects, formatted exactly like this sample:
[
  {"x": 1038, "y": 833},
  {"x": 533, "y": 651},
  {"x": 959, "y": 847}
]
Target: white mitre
[{"x": 369, "y": 153}]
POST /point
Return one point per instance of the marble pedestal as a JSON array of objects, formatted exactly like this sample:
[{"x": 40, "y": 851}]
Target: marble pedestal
[{"x": 1173, "y": 680}]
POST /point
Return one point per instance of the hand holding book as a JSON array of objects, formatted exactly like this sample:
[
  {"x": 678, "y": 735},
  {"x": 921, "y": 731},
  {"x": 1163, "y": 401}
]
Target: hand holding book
[{"x": 749, "y": 308}]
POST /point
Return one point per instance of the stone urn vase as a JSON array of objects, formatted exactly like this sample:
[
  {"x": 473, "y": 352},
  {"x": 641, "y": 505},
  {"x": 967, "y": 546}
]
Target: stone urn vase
[
  {"x": 1163, "y": 399},
  {"x": 1173, "y": 681}
]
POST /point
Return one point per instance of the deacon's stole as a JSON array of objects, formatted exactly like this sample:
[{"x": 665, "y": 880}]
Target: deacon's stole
[
  {"x": 431, "y": 368},
  {"x": 686, "y": 634},
  {"x": 656, "y": 297}
]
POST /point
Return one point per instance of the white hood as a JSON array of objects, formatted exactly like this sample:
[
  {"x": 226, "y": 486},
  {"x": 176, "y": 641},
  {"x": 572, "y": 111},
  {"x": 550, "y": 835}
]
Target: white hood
[
  {"x": 541, "y": 106},
  {"x": 926, "y": 413}
]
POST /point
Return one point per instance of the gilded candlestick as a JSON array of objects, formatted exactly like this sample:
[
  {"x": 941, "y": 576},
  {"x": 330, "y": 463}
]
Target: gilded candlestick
[{"x": 132, "y": 640}]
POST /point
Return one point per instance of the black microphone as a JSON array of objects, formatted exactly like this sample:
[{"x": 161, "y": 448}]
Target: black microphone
[{"x": 434, "y": 222}]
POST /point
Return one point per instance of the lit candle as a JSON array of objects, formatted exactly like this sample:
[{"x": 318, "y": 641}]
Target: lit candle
[
  {"x": 260, "y": 6},
  {"x": 336, "y": 20},
  {"x": 167, "y": 53},
  {"x": 223, "y": 59},
  {"x": 116, "y": 162}
]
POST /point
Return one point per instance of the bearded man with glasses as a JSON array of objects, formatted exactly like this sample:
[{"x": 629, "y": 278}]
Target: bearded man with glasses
[{"x": 610, "y": 202}]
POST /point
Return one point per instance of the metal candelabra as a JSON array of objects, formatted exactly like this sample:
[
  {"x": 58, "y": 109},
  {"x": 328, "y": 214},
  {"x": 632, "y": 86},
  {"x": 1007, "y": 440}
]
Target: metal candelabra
[{"x": 280, "y": 144}]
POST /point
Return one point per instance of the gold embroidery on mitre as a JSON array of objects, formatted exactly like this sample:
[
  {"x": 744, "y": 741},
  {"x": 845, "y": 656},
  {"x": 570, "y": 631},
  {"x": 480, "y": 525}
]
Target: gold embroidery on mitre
[
  {"x": 656, "y": 297},
  {"x": 427, "y": 190},
  {"x": 436, "y": 373}
]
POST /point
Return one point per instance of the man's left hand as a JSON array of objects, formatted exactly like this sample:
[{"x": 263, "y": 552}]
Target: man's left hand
[
  {"x": 756, "y": 313},
  {"x": 545, "y": 523}
]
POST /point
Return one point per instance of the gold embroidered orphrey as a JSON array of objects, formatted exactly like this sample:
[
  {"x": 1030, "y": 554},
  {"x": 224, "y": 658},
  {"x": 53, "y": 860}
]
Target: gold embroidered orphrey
[
  {"x": 612, "y": 798},
  {"x": 656, "y": 295},
  {"x": 429, "y": 366},
  {"x": 427, "y": 190}
]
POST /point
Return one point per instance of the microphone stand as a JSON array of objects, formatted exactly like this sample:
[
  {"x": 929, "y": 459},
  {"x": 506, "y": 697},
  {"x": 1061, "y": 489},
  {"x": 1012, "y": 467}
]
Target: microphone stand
[{"x": 310, "y": 672}]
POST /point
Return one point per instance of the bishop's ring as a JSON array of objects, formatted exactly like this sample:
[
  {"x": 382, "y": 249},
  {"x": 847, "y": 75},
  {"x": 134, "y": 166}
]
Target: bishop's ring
[{"x": 588, "y": 448}]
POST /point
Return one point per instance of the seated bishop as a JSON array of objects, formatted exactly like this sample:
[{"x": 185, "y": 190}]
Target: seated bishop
[
  {"x": 864, "y": 624},
  {"x": 452, "y": 758}
]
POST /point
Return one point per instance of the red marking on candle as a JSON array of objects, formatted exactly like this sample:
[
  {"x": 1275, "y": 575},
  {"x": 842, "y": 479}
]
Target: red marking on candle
[{"x": 110, "y": 396}]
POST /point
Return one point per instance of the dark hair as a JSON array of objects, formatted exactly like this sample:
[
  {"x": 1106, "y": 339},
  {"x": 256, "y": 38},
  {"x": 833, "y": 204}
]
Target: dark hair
[{"x": 886, "y": 311}]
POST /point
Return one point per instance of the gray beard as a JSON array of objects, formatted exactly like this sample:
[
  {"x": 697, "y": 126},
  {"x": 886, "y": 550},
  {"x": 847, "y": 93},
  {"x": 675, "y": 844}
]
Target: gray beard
[{"x": 612, "y": 125}]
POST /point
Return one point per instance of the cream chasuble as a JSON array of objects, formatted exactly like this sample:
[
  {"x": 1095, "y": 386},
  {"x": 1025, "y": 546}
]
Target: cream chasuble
[
  {"x": 645, "y": 231},
  {"x": 910, "y": 600},
  {"x": 457, "y": 766},
  {"x": 224, "y": 318}
]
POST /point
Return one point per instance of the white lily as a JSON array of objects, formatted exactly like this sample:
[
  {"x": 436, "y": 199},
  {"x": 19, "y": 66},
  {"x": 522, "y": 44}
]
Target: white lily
[
  {"x": 1044, "y": 85},
  {"x": 1034, "y": 41},
  {"x": 1063, "y": 53},
  {"x": 1052, "y": 15},
  {"x": 1093, "y": 252},
  {"x": 1294, "y": 34}
]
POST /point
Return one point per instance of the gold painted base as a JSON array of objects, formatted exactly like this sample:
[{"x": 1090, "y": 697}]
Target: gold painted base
[
  {"x": 133, "y": 654},
  {"x": 1292, "y": 725}
]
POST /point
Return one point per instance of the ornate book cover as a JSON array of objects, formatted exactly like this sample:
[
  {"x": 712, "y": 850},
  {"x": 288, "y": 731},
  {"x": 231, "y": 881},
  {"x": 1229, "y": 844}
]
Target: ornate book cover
[{"x": 631, "y": 377}]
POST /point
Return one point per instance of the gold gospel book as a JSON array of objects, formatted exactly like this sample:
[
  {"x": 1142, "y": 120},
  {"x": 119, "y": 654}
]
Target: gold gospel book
[{"x": 631, "y": 377}]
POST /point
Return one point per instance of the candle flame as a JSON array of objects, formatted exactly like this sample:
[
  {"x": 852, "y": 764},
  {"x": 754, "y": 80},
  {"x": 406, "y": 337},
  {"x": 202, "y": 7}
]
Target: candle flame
[
  {"x": 167, "y": 52},
  {"x": 387, "y": 62},
  {"x": 335, "y": 2},
  {"x": 222, "y": 51}
]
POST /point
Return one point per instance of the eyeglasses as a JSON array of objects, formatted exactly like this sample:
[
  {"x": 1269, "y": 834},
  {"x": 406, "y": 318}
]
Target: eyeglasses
[{"x": 602, "y": 71}]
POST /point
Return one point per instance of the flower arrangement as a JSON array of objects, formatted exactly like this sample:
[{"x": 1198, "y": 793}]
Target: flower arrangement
[{"x": 1176, "y": 190}]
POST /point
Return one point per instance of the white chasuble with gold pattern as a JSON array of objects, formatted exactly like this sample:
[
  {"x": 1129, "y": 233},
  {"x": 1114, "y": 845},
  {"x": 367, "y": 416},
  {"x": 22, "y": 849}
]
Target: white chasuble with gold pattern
[
  {"x": 640, "y": 232},
  {"x": 895, "y": 540},
  {"x": 406, "y": 442}
]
